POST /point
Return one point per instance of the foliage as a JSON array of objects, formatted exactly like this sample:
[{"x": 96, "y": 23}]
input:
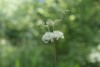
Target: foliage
[{"x": 20, "y": 34}]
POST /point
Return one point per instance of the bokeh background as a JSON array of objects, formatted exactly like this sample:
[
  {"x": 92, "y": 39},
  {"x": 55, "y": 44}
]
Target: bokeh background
[{"x": 21, "y": 33}]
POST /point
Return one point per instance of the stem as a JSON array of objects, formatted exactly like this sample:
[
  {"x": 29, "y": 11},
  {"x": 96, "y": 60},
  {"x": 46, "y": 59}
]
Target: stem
[
  {"x": 54, "y": 55},
  {"x": 53, "y": 27},
  {"x": 48, "y": 28}
]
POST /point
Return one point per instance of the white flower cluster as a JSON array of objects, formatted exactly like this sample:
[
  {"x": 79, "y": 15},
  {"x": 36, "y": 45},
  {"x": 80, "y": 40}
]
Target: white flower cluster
[
  {"x": 50, "y": 22},
  {"x": 40, "y": 22},
  {"x": 94, "y": 56},
  {"x": 51, "y": 36},
  {"x": 58, "y": 35}
]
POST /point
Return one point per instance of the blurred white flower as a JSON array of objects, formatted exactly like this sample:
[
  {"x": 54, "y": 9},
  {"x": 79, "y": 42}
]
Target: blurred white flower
[
  {"x": 40, "y": 22},
  {"x": 94, "y": 56},
  {"x": 48, "y": 36},
  {"x": 3, "y": 41},
  {"x": 57, "y": 21},
  {"x": 58, "y": 35},
  {"x": 50, "y": 22},
  {"x": 51, "y": 36}
]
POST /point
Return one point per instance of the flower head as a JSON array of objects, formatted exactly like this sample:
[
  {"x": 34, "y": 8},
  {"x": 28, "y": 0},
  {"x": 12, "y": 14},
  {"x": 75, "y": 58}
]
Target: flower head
[
  {"x": 40, "y": 22},
  {"x": 50, "y": 22},
  {"x": 58, "y": 35},
  {"x": 94, "y": 57},
  {"x": 51, "y": 36},
  {"x": 48, "y": 36}
]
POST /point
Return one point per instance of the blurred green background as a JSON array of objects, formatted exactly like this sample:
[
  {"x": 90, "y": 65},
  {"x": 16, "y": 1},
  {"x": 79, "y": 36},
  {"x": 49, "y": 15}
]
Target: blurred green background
[{"x": 20, "y": 33}]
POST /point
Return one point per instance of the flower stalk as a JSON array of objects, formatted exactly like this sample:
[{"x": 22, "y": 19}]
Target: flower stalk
[
  {"x": 51, "y": 36},
  {"x": 55, "y": 55}
]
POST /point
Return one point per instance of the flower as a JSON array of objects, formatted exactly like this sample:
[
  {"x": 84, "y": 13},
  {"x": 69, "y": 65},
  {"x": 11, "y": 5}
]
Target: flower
[
  {"x": 50, "y": 22},
  {"x": 58, "y": 35},
  {"x": 40, "y": 22},
  {"x": 51, "y": 36},
  {"x": 48, "y": 36},
  {"x": 94, "y": 57}
]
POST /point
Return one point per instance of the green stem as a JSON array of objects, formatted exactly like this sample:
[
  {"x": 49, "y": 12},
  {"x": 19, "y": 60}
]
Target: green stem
[{"x": 54, "y": 55}]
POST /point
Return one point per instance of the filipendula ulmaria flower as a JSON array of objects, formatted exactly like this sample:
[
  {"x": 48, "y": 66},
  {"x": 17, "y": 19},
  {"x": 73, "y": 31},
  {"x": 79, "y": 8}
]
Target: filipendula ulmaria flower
[
  {"x": 51, "y": 36},
  {"x": 58, "y": 35},
  {"x": 48, "y": 36}
]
